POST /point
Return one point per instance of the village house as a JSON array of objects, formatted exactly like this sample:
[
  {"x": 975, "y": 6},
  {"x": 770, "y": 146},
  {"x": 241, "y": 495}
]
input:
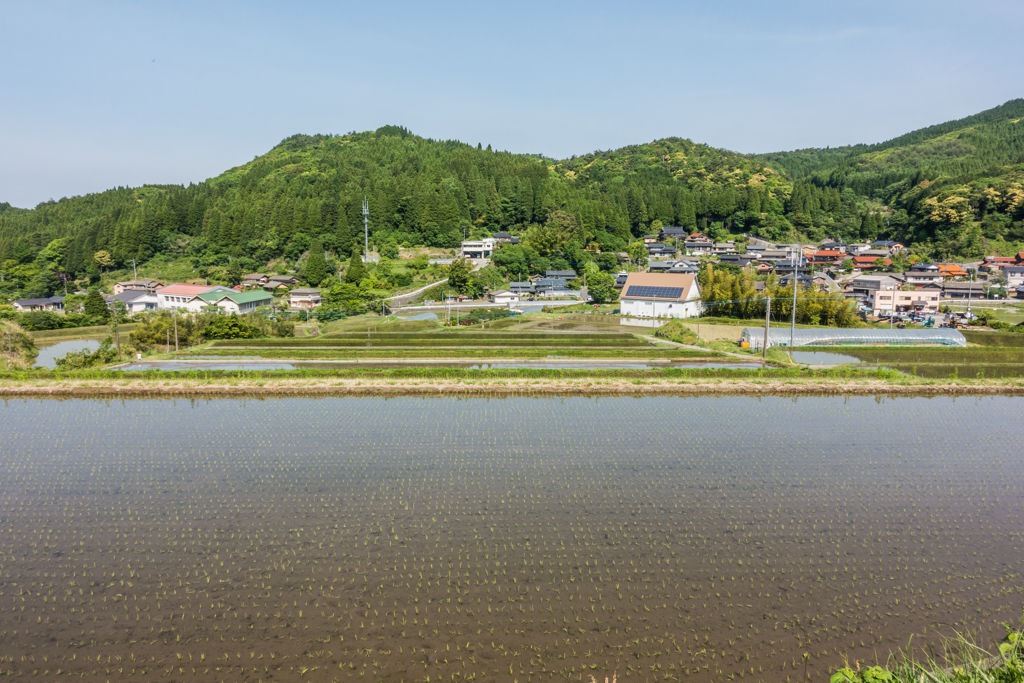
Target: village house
[
  {"x": 281, "y": 281},
  {"x": 182, "y": 296},
  {"x": 684, "y": 266},
  {"x": 862, "y": 262},
  {"x": 827, "y": 256},
  {"x": 477, "y": 249},
  {"x": 866, "y": 285},
  {"x": 564, "y": 274},
  {"x": 776, "y": 255},
  {"x": 701, "y": 248},
  {"x": 1014, "y": 276},
  {"x": 521, "y": 288},
  {"x": 304, "y": 298},
  {"x": 724, "y": 248},
  {"x": 952, "y": 271},
  {"x": 963, "y": 290},
  {"x": 660, "y": 295},
  {"x": 924, "y": 274},
  {"x": 884, "y": 300},
  {"x": 834, "y": 245},
  {"x": 52, "y": 303},
  {"x": 237, "y": 302},
  {"x": 136, "y": 285},
  {"x": 135, "y": 301},
  {"x": 254, "y": 280},
  {"x": 888, "y": 245},
  {"x": 503, "y": 296},
  {"x": 673, "y": 232}
]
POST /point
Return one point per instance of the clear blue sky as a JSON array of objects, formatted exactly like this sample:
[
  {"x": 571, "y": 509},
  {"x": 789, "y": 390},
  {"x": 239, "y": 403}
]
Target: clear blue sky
[{"x": 99, "y": 94}]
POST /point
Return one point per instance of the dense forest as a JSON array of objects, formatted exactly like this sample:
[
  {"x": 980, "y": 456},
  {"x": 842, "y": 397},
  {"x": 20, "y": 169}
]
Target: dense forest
[{"x": 952, "y": 190}]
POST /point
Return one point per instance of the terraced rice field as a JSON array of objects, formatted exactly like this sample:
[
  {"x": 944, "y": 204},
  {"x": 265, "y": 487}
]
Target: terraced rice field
[
  {"x": 513, "y": 539},
  {"x": 470, "y": 346}
]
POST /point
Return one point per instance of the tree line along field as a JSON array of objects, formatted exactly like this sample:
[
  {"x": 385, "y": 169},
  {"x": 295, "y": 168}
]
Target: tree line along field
[{"x": 400, "y": 539}]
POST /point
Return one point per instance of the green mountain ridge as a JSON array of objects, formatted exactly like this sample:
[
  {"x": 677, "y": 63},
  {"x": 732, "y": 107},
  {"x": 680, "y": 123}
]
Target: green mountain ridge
[{"x": 953, "y": 190}]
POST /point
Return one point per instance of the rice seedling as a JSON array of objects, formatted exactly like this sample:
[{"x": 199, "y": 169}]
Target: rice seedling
[{"x": 514, "y": 538}]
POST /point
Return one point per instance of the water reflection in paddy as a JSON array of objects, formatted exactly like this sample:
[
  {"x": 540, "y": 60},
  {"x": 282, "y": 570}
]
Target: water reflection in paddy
[
  {"x": 48, "y": 355},
  {"x": 697, "y": 538},
  {"x": 183, "y": 365}
]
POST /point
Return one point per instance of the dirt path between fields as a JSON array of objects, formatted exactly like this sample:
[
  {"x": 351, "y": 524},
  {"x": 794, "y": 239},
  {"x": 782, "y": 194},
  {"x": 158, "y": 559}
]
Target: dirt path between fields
[{"x": 502, "y": 387}]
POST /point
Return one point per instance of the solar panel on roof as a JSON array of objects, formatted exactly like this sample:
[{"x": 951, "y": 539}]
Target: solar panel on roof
[{"x": 657, "y": 292}]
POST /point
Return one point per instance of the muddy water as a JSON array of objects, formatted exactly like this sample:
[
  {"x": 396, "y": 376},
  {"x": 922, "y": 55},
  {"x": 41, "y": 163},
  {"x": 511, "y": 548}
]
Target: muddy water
[{"x": 394, "y": 539}]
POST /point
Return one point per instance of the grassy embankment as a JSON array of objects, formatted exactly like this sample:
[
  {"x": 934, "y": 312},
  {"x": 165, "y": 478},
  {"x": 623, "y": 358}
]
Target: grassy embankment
[
  {"x": 17, "y": 348},
  {"x": 963, "y": 661},
  {"x": 44, "y": 337}
]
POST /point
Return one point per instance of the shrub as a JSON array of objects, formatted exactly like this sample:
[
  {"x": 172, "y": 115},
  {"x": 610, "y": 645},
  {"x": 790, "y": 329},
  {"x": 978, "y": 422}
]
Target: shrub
[{"x": 79, "y": 360}]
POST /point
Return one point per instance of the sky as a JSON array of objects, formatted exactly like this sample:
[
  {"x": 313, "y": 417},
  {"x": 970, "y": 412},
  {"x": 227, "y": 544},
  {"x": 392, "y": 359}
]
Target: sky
[{"x": 100, "y": 94}]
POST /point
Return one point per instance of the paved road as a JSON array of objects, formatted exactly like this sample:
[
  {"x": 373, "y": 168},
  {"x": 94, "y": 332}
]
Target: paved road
[{"x": 400, "y": 300}]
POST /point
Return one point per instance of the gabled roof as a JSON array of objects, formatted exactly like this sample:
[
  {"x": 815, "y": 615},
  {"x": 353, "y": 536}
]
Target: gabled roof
[
  {"x": 237, "y": 297},
  {"x": 660, "y": 286},
  {"x": 179, "y": 289},
  {"x": 304, "y": 290},
  {"x": 952, "y": 270},
  {"x": 130, "y": 295},
  {"x": 143, "y": 282},
  {"x": 40, "y": 302}
]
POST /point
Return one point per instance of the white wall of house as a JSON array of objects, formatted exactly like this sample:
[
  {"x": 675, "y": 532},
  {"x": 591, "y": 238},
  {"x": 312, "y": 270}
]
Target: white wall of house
[
  {"x": 247, "y": 307},
  {"x": 642, "y": 308},
  {"x": 504, "y": 298},
  {"x": 147, "y": 302},
  {"x": 304, "y": 301},
  {"x": 180, "y": 302}
]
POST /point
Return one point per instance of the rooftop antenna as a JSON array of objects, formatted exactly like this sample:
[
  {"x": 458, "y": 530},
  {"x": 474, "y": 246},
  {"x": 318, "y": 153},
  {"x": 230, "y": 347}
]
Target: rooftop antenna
[{"x": 366, "y": 228}]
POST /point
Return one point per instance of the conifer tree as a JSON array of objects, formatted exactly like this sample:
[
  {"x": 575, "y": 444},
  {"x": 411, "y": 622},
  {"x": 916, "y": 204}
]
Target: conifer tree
[
  {"x": 316, "y": 264},
  {"x": 95, "y": 306},
  {"x": 356, "y": 271}
]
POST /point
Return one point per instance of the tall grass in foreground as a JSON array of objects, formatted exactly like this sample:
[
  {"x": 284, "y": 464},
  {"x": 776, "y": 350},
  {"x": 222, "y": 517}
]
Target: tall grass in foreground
[{"x": 964, "y": 662}]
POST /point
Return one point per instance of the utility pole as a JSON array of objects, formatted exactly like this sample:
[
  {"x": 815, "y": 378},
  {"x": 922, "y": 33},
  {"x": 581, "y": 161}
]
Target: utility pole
[
  {"x": 970, "y": 288},
  {"x": 767, "y": 315},
  {"x": 117, "y": 336},
  {"x": 135, "y": 273},
  {"x": 792, "y": 326},
  {"x": 175, "y": 314},
  {"x": 366, "y": 228}
]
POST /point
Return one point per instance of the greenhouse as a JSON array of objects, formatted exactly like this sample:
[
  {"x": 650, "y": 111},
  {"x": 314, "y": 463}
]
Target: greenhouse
[{"x": 753, "y": 337}]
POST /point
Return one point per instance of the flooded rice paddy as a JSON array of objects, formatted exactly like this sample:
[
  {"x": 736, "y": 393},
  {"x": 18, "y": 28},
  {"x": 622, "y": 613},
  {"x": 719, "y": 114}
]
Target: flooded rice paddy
[
  {"x": 505, "y": 539},
  {"x": 188, "y": 365},
  {"x": 48, "y": 355},
  {"x": 822, "y": 357}
]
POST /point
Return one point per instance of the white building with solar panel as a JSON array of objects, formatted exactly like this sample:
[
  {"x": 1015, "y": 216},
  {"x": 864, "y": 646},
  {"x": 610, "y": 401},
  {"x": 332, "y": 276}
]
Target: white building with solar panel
[{"x": 661, "y": 295}]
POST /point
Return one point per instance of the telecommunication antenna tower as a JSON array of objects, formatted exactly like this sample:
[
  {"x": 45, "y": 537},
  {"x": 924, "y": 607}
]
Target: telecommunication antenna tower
[{"x": 366, "y": 228}]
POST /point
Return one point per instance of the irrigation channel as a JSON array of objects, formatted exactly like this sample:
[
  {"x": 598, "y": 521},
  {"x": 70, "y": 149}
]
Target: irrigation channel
[{"x": 501, "y": 539}]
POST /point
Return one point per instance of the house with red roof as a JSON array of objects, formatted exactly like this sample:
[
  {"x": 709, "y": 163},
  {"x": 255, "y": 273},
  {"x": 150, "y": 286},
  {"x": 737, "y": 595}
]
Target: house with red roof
[
  {"x": 869, "y": 262},
  {"x": 183, "y": 296}
]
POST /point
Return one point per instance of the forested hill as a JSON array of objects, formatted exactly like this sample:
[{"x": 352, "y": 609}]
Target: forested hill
[
  {"x": 956, "y": 186},
  {"x": 952, "y": 189}
]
